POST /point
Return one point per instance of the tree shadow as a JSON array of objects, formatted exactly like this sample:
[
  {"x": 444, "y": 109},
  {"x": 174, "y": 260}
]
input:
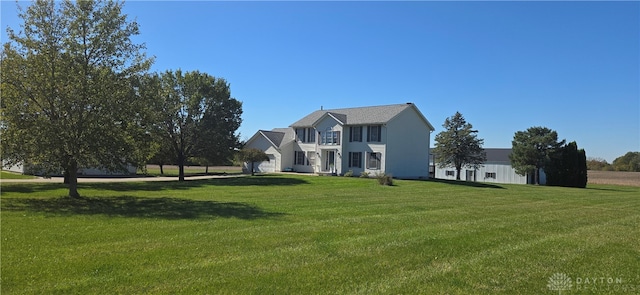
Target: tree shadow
[
  {"x": 617, "y": 189},
  {"x": 128, "y": 206},
  {"x": 466, "y": 183},
  {"x": 157, "y": 185}
]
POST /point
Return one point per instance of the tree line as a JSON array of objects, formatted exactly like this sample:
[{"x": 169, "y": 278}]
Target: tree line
[
  {"x": 77, "y": 92},
  {"x": 628, "y": 162},
  {"x": 533, "y": 150}
]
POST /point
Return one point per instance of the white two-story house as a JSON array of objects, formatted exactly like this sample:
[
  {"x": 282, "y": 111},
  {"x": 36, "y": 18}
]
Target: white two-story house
[{"x": 391, "y": 139}]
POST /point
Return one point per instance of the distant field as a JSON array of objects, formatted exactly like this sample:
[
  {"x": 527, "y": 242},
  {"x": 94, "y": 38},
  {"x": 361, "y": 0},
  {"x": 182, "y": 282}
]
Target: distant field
[
  {"x": 295, "y": 234},
  {"x": 614, "y": 177}
]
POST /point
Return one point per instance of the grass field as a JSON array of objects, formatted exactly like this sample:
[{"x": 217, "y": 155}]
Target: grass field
[
  {"x": 13, "y": 175},
  {"x": 289, "y": 234}
]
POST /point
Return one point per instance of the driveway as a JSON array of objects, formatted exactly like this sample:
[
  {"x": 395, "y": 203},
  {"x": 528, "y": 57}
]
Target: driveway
[{"x": 115, "y": 179}]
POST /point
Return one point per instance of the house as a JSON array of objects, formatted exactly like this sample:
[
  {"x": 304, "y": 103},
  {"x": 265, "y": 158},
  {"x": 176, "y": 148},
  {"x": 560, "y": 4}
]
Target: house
[
  {"x": 496, "y": 169},
  {"x": 392, "y": 139}
]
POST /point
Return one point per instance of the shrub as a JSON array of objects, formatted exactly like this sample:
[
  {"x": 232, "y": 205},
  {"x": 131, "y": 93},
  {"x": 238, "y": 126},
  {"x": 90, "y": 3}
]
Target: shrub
[
  {"x": 364, "y": 175},
  {"x": 384, "y": 179},
  {"x": 349, "y": 173}
]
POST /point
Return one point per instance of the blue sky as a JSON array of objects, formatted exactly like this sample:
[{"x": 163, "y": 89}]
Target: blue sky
[{"x": 573, "y": 67}]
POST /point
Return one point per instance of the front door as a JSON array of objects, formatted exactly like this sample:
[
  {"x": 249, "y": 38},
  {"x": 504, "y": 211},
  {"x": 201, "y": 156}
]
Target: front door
[{"x": 330, "y": 161}]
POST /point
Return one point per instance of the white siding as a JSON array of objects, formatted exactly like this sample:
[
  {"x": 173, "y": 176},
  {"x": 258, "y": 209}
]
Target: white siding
[
  {"x": 365, "y": 148},
  {"x": 407, "y": 138},
  {"x": 328, "y": 123},
  {"x": 504, "y": 174}
]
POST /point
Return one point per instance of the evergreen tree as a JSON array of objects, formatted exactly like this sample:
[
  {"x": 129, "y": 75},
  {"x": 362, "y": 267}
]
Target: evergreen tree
[
  {"x": 458, "y": 145},
  {"x": 531, "y": 150},
  {"x": 567, "y": 166}
]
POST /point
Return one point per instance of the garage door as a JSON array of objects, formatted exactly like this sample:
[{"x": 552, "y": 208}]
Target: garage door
[{"x": 267, "y": 166}]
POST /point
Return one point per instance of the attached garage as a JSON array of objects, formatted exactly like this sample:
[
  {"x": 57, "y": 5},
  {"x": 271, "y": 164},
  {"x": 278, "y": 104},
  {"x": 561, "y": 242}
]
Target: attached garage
[
  {"x": 265, "y": 166},
  {"x": 261, "y": 167}
]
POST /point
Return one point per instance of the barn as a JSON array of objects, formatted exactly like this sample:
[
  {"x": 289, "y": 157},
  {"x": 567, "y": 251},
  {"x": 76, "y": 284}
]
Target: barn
[{"x": 496, "y": 169}]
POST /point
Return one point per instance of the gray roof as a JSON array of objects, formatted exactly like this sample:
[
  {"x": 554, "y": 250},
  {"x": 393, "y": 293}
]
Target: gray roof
[
  {"x": 278, "y": 135},
  {"x": 359, "y": 116},
  {"x": 498, "y": 155},
  {"x": 274, "y": 137}
]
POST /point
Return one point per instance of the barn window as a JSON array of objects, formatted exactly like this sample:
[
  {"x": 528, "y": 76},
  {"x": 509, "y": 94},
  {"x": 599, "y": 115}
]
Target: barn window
[
  {"x": 490, "y": 175},
  {"x": 450, "y": 173}
]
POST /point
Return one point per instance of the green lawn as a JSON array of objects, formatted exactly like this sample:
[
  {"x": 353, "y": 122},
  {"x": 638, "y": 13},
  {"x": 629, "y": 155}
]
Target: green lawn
[
  {"x": 13, "y": 175},
  {"x": 317, "y": 235}
]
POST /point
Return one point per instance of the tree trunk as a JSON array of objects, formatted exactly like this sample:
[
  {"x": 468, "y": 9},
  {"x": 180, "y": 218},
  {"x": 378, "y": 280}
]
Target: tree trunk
[
  {"x": 536, "y": 176},
  {"x": 73, "y": 179},
  {"x": 181, "y": 168},
  {"x": 252, "y": 169},
  {"x": 206, "y": 170},
  {"x": 458, "y": 173},
  {"x": 161, "y": 170},
  {"x": 66, "y": 177}
]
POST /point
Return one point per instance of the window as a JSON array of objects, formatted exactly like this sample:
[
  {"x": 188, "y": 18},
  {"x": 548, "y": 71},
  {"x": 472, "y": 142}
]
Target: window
[
  {"x": 305, "y": 135},
  {"x": 311, "y": 158},
  {"x": 300, "y": 134},
  {"x": 374, "y": 133},
  {"x": 355, "y": 134},
  {"x": 311, "y": 135},
  {"x": 450, "y": 173},
  {"x": 373, "y": 162},
  {"x": 330, "y": 138},
  {"x": 490, "y": 175},
  {"x": 299, "y": 158},
  {"x": 355, "y": 159}
]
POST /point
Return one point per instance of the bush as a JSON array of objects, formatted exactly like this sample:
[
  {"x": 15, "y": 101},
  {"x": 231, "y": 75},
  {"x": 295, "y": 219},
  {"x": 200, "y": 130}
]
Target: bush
[
  {"x": 384, "y": 179},
  {"x": 349, "y": 173},
  {"x": 364, "y": 175}
]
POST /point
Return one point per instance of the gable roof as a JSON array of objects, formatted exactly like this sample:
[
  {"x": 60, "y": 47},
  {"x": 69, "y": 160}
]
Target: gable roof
[
  {"x": 277, "y": 136},
  {"x": 360, "y": 116},
  {"x": 273, "y": 136}
]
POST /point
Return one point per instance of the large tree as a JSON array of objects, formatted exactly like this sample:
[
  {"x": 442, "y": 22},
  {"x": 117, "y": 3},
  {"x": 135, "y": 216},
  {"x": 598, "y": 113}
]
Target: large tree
[
  {"x": 458, "y": 145},
  {"x": 196, "y": 116},
  {"x": 68, "y": 98},
  {"x": 531, "y": 150}
]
